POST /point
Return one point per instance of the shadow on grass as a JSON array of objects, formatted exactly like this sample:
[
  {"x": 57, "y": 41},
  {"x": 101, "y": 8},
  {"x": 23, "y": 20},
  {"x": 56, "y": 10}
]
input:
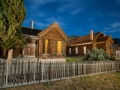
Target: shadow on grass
[{"x": 118, "y": 71}]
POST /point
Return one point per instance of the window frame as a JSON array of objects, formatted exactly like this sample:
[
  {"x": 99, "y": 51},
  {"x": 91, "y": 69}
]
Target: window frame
[
  {"x": 59, "y": 49},
  {"x": 69, "y": 50},
  {"x": 76, "y": 50},
  {"x": 84, "y": 49}
]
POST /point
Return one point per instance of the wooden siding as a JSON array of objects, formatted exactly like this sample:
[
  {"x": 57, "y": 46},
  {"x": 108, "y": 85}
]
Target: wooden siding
[
  {"x": 80, "y": 50},
  {"x": 101, "y": 46},
  {"x": 109, "y": 46},
  {"x": 30, "y": 47},
  {"x": 53, "y": 36}
]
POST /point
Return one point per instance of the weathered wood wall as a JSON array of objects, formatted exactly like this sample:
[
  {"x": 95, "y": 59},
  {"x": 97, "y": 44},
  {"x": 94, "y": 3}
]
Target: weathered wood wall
[
  {"x": 53, "y": 36},
  {"x": 80, "y": 50}
]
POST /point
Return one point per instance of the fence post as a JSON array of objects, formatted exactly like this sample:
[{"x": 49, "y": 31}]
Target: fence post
[
  {"x": 116, "y": 65},
  {"x": 34, "y": 70},
  {"x": 7, "y": 72},
  {"x": 49, "y": 71}
]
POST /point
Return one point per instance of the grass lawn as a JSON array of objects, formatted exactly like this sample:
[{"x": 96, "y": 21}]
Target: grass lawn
[
  {"x": 72, "y": 59},
  {"x": 105, "y": 81}
]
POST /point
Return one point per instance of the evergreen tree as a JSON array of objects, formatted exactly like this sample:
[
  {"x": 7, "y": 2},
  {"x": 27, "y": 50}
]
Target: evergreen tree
[{"x": 12, "y": 15}]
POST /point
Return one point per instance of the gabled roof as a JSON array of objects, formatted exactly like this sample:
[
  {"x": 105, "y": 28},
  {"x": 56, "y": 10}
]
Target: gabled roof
[
  {"x": 102, "y": 38},
  {"x": 46, "y": 30},
  {"x": 29, "y": 31},
  {"x": 82, "y": 39}
]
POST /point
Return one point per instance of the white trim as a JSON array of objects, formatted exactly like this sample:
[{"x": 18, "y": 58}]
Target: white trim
[
  {"x": 84, "y": 49},
  {"x": 81, "y": 44},
  {"x": 30, "y": 36},
  {"x": 76, "y": 50},
  {"x": 69, "y": 50}
]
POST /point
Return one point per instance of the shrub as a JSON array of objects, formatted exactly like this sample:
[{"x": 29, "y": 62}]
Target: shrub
[
  {"x": 113, "y": 58},
  {"x": 96, "y": 55}
]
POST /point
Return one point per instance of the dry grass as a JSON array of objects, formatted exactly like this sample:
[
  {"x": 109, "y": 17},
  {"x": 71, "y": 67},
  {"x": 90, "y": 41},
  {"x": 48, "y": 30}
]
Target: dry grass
[{"x": 106, "y": 81}]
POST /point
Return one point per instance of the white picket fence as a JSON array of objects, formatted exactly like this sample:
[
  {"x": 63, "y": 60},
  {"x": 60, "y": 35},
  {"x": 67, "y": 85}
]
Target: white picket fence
[{"x": 23, "y": 73}]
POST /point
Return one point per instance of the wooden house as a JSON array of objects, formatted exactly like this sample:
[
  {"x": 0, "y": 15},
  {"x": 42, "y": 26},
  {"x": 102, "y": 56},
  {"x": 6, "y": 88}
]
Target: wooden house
[
  {"x": 78, "y": 46},
  {"x": 115, "y": 47},
  {"x": 47, "y": 43}
]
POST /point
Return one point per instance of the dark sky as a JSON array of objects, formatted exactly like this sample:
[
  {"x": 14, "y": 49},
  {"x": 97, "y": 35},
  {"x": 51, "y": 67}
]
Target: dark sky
[{"x": 75, "y": 17}]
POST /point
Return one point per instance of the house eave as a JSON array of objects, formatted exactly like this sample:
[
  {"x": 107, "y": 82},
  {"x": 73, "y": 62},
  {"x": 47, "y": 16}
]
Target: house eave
[
  {"x": 82, "y": 44},
  {"x": 30, "y": 36}
]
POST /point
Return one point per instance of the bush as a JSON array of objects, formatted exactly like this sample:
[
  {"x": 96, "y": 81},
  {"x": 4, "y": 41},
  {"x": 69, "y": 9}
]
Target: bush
[
  {"x": 96, "y": 55},
  {"x": 113, "y": 58}
]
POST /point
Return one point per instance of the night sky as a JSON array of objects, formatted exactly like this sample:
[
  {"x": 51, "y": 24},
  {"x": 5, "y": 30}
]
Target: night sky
[{"x": 75, "y": 17}]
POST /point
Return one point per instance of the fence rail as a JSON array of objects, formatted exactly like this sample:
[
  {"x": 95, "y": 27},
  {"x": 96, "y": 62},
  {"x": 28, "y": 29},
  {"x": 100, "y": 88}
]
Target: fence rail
[{"x": 23, "y": 73}]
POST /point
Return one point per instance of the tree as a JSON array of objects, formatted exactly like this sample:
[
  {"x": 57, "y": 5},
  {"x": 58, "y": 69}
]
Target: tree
[
  {"x": 96, "y": 55},
  {"x": 12, "y": 15}
]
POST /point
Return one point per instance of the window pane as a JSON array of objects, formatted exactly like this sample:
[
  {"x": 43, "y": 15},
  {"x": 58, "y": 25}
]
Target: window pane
[
  {"x": 46, "y": 46},
  {"x": 76, "y": 50},
  {"x": 59, "y": 47},
  {"x": 69, "y": 50},
  {"x": 84, "y": 49}
]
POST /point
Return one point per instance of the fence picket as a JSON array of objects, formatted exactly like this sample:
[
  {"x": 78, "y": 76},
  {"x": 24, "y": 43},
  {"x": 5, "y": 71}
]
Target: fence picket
[
  {"x": 18, "y": 73},
  {"x": 3, "y": 75},
  {"x": 22, "y": 73}
]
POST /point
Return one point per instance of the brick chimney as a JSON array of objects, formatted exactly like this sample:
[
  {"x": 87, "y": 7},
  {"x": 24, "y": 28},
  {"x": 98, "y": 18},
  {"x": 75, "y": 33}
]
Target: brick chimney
[
  {"x": 32, "y": 24},
  {"x": 91, "y": 34}
]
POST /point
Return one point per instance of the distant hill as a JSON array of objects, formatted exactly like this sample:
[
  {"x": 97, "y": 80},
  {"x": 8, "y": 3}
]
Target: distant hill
[{"x": 116, "y": 40}]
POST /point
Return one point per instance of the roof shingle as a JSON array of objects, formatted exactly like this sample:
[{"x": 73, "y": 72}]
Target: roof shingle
[
  {"x": 82, "y": 39},
  {"x": 29, "y": 31}
]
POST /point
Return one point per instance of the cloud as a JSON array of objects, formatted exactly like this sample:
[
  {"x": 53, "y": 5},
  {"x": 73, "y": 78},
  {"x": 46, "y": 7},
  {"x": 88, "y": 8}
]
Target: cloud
[
  {"x": 41, "y": 25},
  {"x": 38, "y": 2},
  {"x": 71, "y": 6},
  {"x": 112, "y": 31},
  {"x": 65, "y": 7},
  {"x": 81, "y": 31},
  {"x": 106, "y": 28},
  {"x": 91, "y": 19},
  {"x": 93, "y": 26},
  {"x": 59, "y": 20},
  {"x": 75, "y": 11},
  {"x": 113, "y": 14},
  {"x": 115, "y": 25},
  {"x": 118, "y": 2}
]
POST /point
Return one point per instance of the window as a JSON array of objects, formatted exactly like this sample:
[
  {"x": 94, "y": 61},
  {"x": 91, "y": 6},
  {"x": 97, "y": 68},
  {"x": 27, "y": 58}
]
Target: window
[
  {"x": 59, "y": 46},
  {"x": 46, "y": 46},
  {"x": 69, "y": 50},
  {"x": 76, "y": 50},
  {"x": 84, "y": 49}
]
